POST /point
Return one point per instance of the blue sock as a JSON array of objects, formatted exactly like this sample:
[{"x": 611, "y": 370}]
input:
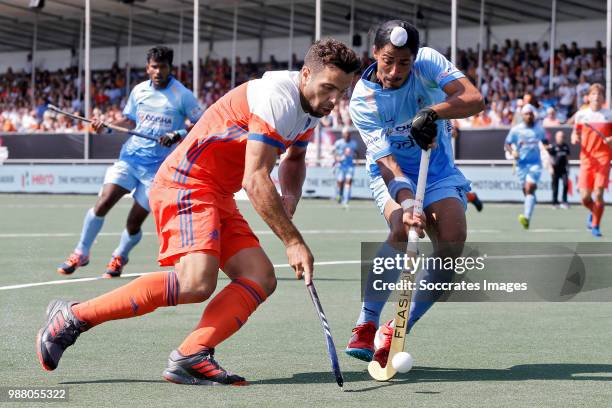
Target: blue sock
[
  {"x": 91, "y": 227},
  {"x": 423, "y": 300},
  {"x": 374, "y": 301},
  {"x": 347, "y": 194},
  {"x": 530, "y": 201},
  {"x": 127, "y": 242}
]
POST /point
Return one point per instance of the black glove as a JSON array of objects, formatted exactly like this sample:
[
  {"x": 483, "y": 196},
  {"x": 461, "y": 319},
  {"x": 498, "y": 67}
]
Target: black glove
[
  {"x": 171, "y": 138},
  {"x": 424, "y": 128}
]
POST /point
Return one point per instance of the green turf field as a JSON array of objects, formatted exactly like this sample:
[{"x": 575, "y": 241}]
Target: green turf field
[{"x": 466, "y": 354}]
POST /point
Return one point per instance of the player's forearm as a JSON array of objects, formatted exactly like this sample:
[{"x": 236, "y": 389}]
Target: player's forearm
[
  {"x": 291, "y": 175},
  {"x": 266, "y": 201},
  {"x": 390, "y": 171},
  {"x": 460, "y": 105},
  {"x": 125, "y": 122}
]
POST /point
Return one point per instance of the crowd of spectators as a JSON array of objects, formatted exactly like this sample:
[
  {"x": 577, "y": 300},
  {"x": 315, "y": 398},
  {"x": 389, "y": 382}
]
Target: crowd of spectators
[
  {"x": 108, "y": 89},
  {"x": 512, "y": 74}
]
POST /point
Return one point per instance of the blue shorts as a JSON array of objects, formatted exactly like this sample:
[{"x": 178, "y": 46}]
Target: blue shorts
[
  {"x": 529, "y": 173},
  {"x": 344, "y": 173},
  {"x": 436, "y": 191},
  {"x": 133, "y": 178}
]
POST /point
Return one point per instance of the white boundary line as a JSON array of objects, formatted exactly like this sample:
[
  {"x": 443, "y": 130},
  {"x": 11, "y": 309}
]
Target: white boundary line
[
  {"x": 323, "y": 263},
  {"x": 131, "y": 275},
  {"x": 260, "y": 232},
  {"x": 268, "y": 232}
]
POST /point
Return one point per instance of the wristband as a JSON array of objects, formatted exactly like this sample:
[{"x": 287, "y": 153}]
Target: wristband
[{"x": 182, "y": 132}]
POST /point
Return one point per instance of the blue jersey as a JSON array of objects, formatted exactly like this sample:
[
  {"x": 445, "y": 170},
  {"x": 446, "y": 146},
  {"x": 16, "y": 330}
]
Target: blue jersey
[
  {"x": 156, "y": 112},
  {"x": 527, "y": 142},
  {"x": 340, "y": 150},
  {"x": 384, "y": 118}
]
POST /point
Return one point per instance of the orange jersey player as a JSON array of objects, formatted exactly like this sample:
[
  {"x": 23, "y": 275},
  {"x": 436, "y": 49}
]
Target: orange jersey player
[
  {"x": 235, "y": 144},
  {"x": 593, "y": 130}
]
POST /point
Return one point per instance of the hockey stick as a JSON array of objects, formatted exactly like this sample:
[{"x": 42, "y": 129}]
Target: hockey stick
[
  {"x": 106, "y": 125},
  {"x": 402, "y": 310}
]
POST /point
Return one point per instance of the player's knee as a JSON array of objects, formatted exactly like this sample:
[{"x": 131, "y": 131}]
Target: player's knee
[
  {"x": 103, "y": 206},
  {"x": 265, "y": 277},
  {"x": 450, "y": 243},
  {"x": 197, "y": 292},
  {"x": 193, "y": 287},
  {"x": 269, "y": 283},
  {"x": 133, "y": 225}
]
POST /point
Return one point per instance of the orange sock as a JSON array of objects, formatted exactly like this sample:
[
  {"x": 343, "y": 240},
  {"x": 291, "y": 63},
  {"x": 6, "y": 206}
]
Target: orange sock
[
  {"x": 589, "y": 206},
  {"x": 224, "y": 315},
  {"x": 141, "y": 296},
  {"x": 470, "y": 196},
  {"x": 598, "y": 209}
]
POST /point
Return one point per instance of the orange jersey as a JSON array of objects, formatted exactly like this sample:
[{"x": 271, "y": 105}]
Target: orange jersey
[
  {"x": 211, "y": 157},
  {"x": 593, "y": 127}
]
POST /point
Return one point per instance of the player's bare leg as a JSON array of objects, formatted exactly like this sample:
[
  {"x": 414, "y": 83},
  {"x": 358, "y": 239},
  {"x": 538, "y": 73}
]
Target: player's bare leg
[
  {"x": 130, "y": 237},
  {"x": 253, "y": 264},
  {"x": 92, "y": 224}
]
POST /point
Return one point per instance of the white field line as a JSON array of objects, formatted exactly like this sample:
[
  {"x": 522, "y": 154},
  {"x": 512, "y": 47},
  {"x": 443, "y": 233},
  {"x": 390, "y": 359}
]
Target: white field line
[
  {"x": 323, "y": 263},
  {"x": 268, "y": 232},
  {"x": 259, "y": 232},
  {"x": 131, "y": 275}
]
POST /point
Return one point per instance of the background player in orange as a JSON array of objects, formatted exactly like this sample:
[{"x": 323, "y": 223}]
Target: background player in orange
[
  {"x": 593, "y": 130},
  {"x": 235, "y": 144}
]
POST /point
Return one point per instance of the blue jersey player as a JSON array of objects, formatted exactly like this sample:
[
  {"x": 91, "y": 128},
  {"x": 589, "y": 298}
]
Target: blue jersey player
[
  {"x": 344, "y": 155},
  {"x": 159, "y": 108},
  {"x": 401, "y": 105},
  {"x": 524, "y": 142}
]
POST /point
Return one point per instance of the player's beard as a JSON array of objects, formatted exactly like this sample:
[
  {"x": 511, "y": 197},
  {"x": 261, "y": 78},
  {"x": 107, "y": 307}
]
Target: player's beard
[{"x": 160, "y": 82}]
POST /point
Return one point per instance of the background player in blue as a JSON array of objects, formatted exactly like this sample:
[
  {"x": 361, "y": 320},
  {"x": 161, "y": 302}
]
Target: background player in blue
[
  {"x": 524, "y": 142},
  {"x": 344, "y": 154},
  {"x": 158, "y": 107},
  {"x": 402, "y": 104}
]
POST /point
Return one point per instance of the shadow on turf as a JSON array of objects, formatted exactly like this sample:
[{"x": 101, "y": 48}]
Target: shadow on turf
[
  {"x": 575, "y": 372},
  {"x": 113, "y": 381}
]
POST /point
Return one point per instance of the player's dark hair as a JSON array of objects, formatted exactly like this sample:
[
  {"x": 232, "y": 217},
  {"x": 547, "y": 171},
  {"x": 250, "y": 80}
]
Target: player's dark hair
[
  {"x": 160, "y": 53},
  {"x": 331, "y": 52},
  {"x": 383, "y": 34}
]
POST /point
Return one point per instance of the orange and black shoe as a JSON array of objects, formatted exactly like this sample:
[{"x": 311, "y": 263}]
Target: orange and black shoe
[
  {"x": 384, "y": 335},
  {"x": 361, "y": 344},
  {"x": 74, "y": 261},
  {"x": 115, "y": 266},
  {"x": 59, "y": 332},
  {"x": 473, "y": 198},
  {"x": 199, "y": 369}
]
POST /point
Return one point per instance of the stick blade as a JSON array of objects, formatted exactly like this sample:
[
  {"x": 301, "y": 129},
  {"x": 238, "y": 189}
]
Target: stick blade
[{"x": 381, "y": 373}]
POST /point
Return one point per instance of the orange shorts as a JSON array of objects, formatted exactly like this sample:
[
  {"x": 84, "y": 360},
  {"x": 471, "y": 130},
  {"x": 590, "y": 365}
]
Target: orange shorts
[
  {"x": 195, "y": 220},
  {"x": 594, "y": 174}
]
